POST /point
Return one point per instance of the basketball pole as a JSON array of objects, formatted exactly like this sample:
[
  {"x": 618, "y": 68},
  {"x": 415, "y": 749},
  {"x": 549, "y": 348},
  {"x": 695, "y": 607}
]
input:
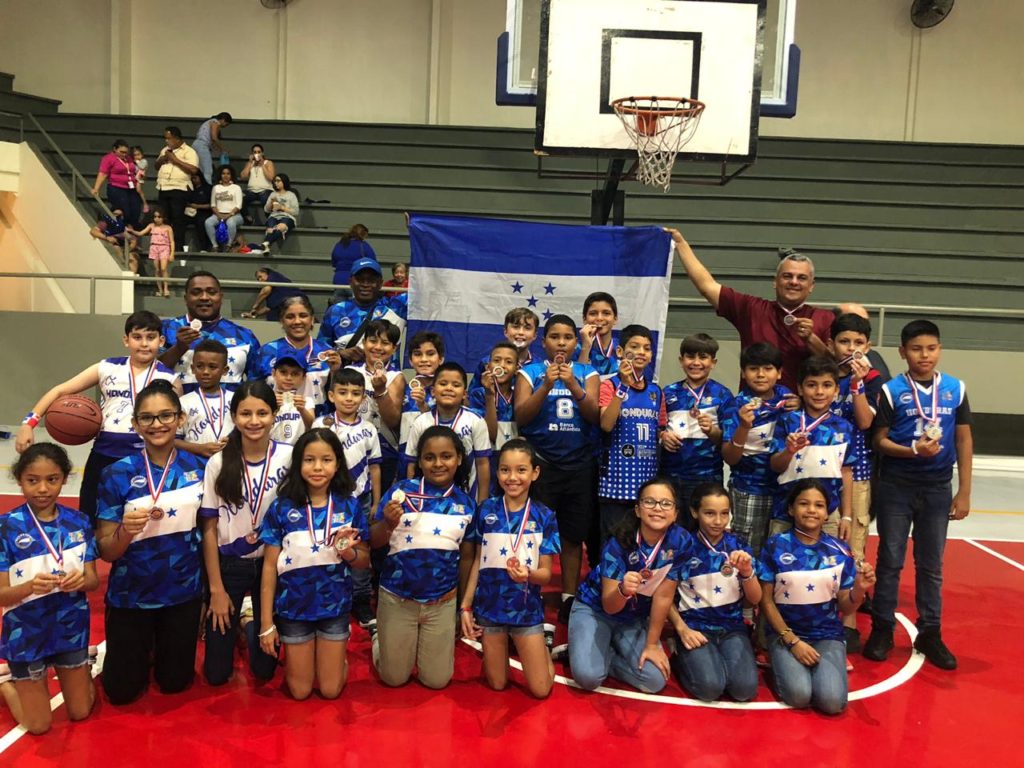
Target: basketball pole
[{"x": 609, "y": 199}]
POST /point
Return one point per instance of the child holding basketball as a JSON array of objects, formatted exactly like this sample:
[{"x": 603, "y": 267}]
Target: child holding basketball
[
  {"x": 314, "y": 534},
  {"x": 616, "y": 621},
  {"x": 450, "y": 394},
  {"x": 239, "y": 486},
  {"x": 422, "y": 523},
  {"x": 147, "y": 509},
  {"x": 119, "y": 379},
  {"x": 808, "y": 579},
  {"x": 692, "y": 440},
  {"x": 923, "y": 429},
  {"x": 47, "y": 554},
  {"x": 207, "y": 409},
  {"x": 517, "y": 539},
  {"x": 556, "y": 407},
  {"x": 715, "y": 654},
  {"x": 631, "y": 415}
]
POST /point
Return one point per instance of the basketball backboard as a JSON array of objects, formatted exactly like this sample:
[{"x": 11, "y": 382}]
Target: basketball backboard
[{"x": 519, "y": 48}]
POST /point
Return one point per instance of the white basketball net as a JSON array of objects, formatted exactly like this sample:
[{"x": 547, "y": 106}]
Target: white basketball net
[{"x": 659, "y": 127}]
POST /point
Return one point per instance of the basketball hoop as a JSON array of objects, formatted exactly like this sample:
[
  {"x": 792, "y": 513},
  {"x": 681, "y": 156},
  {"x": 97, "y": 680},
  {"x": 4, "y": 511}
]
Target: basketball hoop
[{"x": 659, "y": 126}]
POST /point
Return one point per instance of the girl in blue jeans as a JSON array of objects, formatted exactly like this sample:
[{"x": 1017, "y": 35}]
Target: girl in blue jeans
[
  {"x": 808, "y": 579},
  {"x": 616, "y": 620},
  {"x": 715, "y": 654}
]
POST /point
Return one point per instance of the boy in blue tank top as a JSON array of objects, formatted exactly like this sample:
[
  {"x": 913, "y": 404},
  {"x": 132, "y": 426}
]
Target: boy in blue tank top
[
  {"x": 632, "y": 411},
  {"x": 556, "y": 407},
  {"x": 922, "y": 428}
]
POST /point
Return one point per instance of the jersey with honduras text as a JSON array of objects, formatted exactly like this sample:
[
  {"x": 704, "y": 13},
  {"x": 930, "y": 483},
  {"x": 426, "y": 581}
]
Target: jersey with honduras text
[
  {"x": 559, "y": 433},
  {"x": 630, "y": 455},
  {"x": 118, "y": 386},
  {"x": 361, "y": 445}
]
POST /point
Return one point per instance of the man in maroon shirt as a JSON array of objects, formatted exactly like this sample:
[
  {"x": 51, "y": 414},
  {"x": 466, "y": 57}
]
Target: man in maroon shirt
[{"x": 788, "y": 323}]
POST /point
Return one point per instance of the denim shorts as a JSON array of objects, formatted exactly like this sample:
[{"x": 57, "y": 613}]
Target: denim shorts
[
  {"x": 490, "y": 628},
  {"x": 36, "y": 670},
  {"x": 293, "y": 632}
]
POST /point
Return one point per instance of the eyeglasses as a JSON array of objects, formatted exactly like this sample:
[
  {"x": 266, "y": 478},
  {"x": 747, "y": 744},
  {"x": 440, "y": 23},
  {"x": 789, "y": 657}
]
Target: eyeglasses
[
  {"x": 665, "y": 504},
  {"x": 164, "y": 417}
]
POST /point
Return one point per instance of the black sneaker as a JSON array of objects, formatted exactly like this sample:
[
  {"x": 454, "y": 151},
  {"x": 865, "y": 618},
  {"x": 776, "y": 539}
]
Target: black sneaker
[
  {"x": 563, "y": 610},
  {"x": 362, "y": 612},
  {"x": 853, "y": 644},
  {"x": 929, "y": 642},
  {"x": 878, "y": 645}
]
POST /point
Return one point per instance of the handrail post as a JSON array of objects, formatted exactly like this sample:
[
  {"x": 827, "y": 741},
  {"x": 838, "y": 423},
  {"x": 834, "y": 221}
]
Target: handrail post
[
  {"x": 92, "y": 295},
  {"x": 881, "y": 326}
]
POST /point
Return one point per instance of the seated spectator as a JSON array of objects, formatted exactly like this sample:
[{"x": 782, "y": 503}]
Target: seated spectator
[
  {"x": 399, "y": 277},
  {"x": 350, "y": 247},
  {"x": 270, "y": 298},
  {"x": 282, "y": 208},
  {"x": 257, "y": 174},
  {"x": 198, "y": 207},
  {"x": 226, "y": 204}
]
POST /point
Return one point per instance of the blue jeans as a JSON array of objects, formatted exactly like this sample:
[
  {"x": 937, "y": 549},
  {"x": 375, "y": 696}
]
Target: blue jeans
[
  {"x": 823, "y": 686},
  {"x": 900, "y": 508},
  {"x": 726, "y": 663},
  {"x": 362, "y": 578},
  {"x": 600, "y": 646},
  {"x": 240, "y": 576},
  {"x": 205, "y": 159}
]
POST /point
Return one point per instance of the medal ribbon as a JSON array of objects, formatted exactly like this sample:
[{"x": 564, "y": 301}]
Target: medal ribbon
[
  {"x": 711, "y": 546},
  {"x": 155, "y": 492},
  {"x": 423, "y": 496},
  {"x": 209, "y": 414},
  {"x": 697, "y": 396},
  {"x": 327, "y": 525},
  {"x": 522, "y": 526},
  {"x": 654, "y": 552},
  {"x": 611, "y": 344},
  {"x": 791, "y": 312},
  {"x": 819, "y": 540},
  {"x": 453, "y": 424},
  {"x": 805, "y": 427},
  {"x": 131, "y": 380},
  {"x": 309, "y": 349},
  {"x": 934, "y": 418},
  {"x": 260, "y": 492},
  {"x": 57, "y": 553}
]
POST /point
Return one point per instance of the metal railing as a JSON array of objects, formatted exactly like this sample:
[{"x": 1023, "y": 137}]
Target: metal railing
[{"x": 76, "y": 181}]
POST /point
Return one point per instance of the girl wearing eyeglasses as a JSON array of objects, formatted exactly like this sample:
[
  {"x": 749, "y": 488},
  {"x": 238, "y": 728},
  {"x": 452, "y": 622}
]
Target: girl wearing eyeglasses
[
  {"x": 616, "y": 620},
  {"x": 146, "y": 510}
]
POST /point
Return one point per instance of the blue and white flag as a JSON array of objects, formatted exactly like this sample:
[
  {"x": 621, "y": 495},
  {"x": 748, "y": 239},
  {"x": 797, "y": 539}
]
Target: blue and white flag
[{"x": 466, "y": 273}]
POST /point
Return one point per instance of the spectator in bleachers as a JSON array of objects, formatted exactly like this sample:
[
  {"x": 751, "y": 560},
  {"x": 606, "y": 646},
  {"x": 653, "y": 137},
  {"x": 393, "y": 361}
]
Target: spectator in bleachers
[
  {"x": 199, "y": 208},
  {"x": 270, "y": 298},
  {"x": 399, "y": 277},
  {"x": 282, "y": 209},
  {"x": 175, "y": 167},
  {"x": 118, "y": 170},
  {"x": 208, "y": 141},
  {"x": 257, "y": 174},
  {"x": 350, "y": 247},
  {"x": 226, "y": 206}
]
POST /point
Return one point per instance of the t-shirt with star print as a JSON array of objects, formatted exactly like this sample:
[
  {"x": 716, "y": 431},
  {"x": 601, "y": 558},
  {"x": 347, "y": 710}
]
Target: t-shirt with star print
[
  {"x": 708, "y": 600},
  {"x": 40, "y": 626},
  {"x": 842, "y": 406},
  {"x": 629, "y": 454},
  {"x": 616, "y": 562},
  {"x": 422, "y": 561},
  {"x": 805, "y": 581},
  {"x": 314, "y": 386},
  {"x": 698, "y": 457},
  {"x": 242, "y": 344},
  {"x": 160, "y": 567},
  {"x": 313, "y": 581},
  {"x": 753, "y": 472},
  {"x": 498, "y": 599},
  {"x": 823, "y": 458}
]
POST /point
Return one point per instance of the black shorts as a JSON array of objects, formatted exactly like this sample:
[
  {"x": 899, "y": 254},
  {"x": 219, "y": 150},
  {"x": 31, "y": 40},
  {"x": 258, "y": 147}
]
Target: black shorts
[{"x": 571, "y": 492}]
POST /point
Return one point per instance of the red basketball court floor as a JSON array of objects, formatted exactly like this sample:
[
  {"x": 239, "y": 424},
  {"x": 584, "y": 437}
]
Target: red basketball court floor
[{"x": 901, "y": 712}]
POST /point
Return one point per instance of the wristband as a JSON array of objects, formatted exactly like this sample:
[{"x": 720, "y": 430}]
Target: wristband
[
  {"x": 736, "y": 445},
  {"x": 622, "y": 393},
  {"x": 857, "y": 387},
  {"x": 748, "y": 578},
  {"x": 846, "y": 519},
  {"x": 464, "y": 609},
  {"x": 580, "y": 399},
  {"x": 619, "y": 587},
  {"x": 267, "y": 632},
  {"x": 32, "y": 419}
]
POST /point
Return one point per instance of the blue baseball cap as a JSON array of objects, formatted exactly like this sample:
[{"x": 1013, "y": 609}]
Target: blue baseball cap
[
  {"x": 299, "y": 361},
  {"x": 365, "y": 263}
]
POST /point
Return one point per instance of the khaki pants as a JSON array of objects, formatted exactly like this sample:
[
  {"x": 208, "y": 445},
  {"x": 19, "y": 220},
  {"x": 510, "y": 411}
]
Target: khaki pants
[
  {"x": 411, "y": 633},
  {"x": 831, "y": 526},
  {"x": 861, "y": 517}
]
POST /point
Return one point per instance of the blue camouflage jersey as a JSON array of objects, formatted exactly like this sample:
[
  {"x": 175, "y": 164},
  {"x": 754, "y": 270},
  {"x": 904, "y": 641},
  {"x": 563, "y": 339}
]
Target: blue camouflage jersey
[
  {"x": 242, "y": 344},
  {"x": 842, "y": 406},
  {"x": 318, "y": 372},
  {"x": 710, "y": 601},
  {"x": 698, "y": 458},
  {"x": 342, "y": 320},
  {"x": 160, "y": 567},
  {"x": 40, "y": 626},
  {"x": 753, "y": 473},
  {"x": 823, "y": 458},
  {"x": 495, "y": 529},
  {"x": 313, "y": 582}
]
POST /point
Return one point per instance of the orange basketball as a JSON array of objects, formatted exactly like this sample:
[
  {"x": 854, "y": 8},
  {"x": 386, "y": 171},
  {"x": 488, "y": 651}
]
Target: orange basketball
[{"x": 73, "y": 420}]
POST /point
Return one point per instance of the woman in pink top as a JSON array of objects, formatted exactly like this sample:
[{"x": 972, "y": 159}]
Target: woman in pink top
[{"x": 117, "y": 169}]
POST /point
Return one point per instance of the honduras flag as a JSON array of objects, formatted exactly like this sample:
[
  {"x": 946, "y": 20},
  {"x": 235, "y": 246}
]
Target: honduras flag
[{"x": 466, "y": 273}]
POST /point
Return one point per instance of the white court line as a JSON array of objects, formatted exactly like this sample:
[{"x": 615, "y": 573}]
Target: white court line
[
  {"x": 998, "y": 555},
  {"x": 18, "y": 731},
  {"x": 907, "y": 671}
]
